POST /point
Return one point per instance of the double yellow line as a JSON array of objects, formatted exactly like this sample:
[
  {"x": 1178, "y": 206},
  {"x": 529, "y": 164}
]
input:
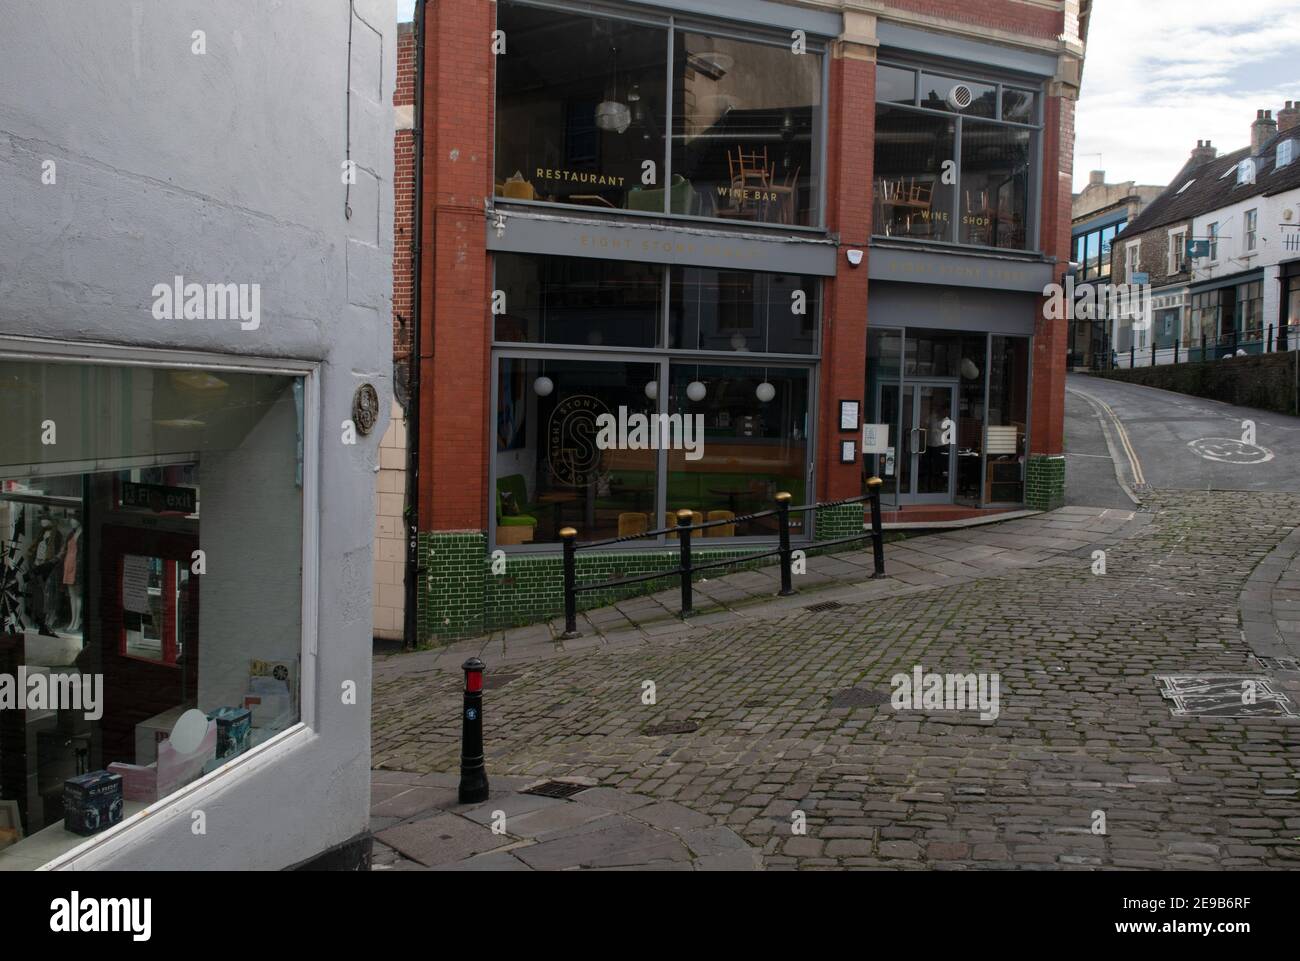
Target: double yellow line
[{"x": 1125, "y": 442}]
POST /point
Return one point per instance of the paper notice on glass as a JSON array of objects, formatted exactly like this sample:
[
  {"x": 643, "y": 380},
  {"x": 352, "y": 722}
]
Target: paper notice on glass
[
  {"x": 135, "y": 584},
  {"x": 889, "y": 462},
  {"x": 875, "y": 438}
]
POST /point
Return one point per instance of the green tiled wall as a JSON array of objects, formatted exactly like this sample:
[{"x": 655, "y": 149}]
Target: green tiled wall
[
  {"x": 462, "y": 597},
  {"x": 1045, "y": 483}
]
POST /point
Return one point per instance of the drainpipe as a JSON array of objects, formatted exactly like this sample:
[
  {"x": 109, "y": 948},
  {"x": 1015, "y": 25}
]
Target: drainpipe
[{"x": 411, "y": 513}]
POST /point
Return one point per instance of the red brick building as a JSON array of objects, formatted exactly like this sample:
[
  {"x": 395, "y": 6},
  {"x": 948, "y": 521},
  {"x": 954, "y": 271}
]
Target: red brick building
[{"x": 794, "y": 235}]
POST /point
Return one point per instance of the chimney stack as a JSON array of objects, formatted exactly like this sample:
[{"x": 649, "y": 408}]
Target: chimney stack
[
  {"x": 1262, "y": 130},
  {"x": 1204, "y": 152},
  {"x": 1288, "y": 117},
  {"x": 1096, "y": 178}
]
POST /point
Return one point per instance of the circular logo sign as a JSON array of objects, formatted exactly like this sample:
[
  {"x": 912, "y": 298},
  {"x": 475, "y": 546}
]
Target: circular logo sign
[
  {"x": 1226, "y": 450},
  {"x": 571, "y": 452}
]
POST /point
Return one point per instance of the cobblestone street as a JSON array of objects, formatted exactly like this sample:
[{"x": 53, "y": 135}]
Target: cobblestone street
[{"x": 1083, "y": 727}]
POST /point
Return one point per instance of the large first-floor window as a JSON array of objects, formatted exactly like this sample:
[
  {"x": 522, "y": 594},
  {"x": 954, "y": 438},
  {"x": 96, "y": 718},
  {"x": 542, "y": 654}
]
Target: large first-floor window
[
  {"x": 151, "y": 585},
  {"x": 616, "y": 446}
]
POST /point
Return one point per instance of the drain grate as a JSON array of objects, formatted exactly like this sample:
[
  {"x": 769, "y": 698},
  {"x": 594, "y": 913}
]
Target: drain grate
[
  {"x": 824, "y": 606},
  {"x": 672, "y": 727},
  {"x": 556, "y": 789},
  {"x": 1223, "y": 695},
  {"x": 859, "y": 697},
  {"x": 493, "y": 681},
  {"x": 1287, "y": 664}
]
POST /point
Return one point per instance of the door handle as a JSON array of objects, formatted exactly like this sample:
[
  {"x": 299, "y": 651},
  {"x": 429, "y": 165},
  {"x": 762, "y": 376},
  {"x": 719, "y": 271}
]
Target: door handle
[{"x": 924, "y": 446}]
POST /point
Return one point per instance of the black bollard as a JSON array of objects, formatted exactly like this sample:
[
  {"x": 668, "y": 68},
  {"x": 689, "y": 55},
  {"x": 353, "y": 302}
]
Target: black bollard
[
  {"x": 877, "y": 532},
  {"x": 684, "y": 518},
  {"x": 473, "y": 773},
  {"x": 783, "y": 518},
  {"x": 569, "y": 536}
]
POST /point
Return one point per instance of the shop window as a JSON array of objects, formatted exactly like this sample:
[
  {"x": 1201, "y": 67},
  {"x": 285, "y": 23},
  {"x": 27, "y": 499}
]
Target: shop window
[
  {"x": 995, "y": 185},
  {"x": 955, "y": 167},
  {"x": 1250, "y": 308},
  {"x": 895, "y": 85},
  {"x": 1007, "y": 420},
  {"x": 582, "y": 119},
  {"x": 746, "y": 129},
  {"x": 754, "y": 444},
  {"x": 913, "y": 198},
  {"x": 151, "y": 535},
  {"x": 557, "y": 462},
  {"x": 737, "y": 310},
  {"x": 577, "y": 300},
  {"x": 580, "y": 106}
]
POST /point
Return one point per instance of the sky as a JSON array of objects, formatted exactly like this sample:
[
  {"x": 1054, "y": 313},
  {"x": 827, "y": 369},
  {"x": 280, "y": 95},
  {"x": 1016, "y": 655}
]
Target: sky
[{"x": 1163, "y": 74}]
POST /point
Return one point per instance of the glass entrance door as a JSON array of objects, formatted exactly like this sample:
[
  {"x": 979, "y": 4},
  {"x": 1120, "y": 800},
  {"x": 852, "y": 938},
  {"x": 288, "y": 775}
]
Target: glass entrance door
[{"x": 929, "y": 438}]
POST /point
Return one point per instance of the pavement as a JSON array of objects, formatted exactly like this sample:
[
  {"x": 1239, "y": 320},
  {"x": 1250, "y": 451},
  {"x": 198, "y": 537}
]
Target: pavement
[
  {"x": 1123, "y": 642},
  {"x": 418, "y": 825}
]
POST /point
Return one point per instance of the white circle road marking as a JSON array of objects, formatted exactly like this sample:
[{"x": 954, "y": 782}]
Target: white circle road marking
[{"x": 1227, "y": 450}]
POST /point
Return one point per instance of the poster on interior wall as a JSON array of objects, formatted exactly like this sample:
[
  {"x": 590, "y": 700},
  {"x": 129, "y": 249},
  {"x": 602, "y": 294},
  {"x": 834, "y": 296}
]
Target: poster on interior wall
[
  {"x": 135, "y": 584},
  {"x": 511, "y": 411}
]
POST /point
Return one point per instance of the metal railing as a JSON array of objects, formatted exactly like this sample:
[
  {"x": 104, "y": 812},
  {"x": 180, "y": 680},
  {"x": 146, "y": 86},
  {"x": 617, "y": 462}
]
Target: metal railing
[
  {"x": 686, "y": 568},
  {"x": 1257, "y": 340}
]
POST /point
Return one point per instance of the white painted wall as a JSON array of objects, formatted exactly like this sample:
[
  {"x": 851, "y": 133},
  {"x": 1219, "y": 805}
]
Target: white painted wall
[{"x": 224, "y": 167}]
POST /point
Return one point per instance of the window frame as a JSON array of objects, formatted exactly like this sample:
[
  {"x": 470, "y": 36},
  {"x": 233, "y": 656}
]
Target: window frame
[
  {"x": 820, "y": 47},
  {"x": 1250, "y": 230},
  {"x": 665, "y": 357},
  {"x": 1001, "y": 80},
  {"x": 1177, "y": 248},
  {"x": 301, "y": 732}
]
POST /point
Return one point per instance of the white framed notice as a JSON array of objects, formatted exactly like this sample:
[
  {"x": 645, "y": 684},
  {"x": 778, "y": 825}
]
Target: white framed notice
[
  {"x": 849, "y": 412},
  {"x": 875, "y": 438}
]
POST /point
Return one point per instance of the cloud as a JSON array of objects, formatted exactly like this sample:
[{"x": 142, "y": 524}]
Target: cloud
[
  {"x": 1162, "y": 74},
  {"x": 405, "y": 11}
]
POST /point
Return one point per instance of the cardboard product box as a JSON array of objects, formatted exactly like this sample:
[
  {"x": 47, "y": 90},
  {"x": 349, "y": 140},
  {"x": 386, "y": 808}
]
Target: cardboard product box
[
  {"x": 234, "y": 730},
  {"x": 92, "y": 802}
]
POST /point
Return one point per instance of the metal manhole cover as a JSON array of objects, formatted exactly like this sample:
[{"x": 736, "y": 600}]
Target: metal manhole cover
[
  {"x": 824, "y": 606},
  {"x": 1288, "y": 664},
  {"x": 672, "y": 727},
  {"x": 491, "y": 681},
  {"x": 556, "y": 789},
  {"x": 1223, "y": 695},
  {"x": 859, "y": 697}
]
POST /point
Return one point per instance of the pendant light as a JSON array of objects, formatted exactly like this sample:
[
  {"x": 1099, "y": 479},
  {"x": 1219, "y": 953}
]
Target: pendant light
[
  {"x": 611, "y": 114},
  {"x": 543, "y": 386}
]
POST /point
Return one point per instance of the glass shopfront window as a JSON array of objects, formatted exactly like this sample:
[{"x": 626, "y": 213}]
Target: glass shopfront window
[
  {"x": 754, "y": 425},
  {"x": 1008, "y": 415},
  {"x": 151, "y": 588},
  {"x": 739, "y": 310},
  {"x": 1250, "y": 309},
  {"x": 610, "y": 441},
  {"x": 955, "y": 164},
  {"x": 558, "y": 463},
  {"x": 918, "y": 379},
  {"x": 746, "y": 130},
  {"x": 577, "y": 300},
  {"x": 582, "y": 118},
  {"x": 581, "y": 105}
]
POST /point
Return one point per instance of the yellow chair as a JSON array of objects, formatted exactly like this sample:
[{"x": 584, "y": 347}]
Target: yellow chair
[
  {"x": 630, "y": 525},
  {"x": 725, "y": 530}
]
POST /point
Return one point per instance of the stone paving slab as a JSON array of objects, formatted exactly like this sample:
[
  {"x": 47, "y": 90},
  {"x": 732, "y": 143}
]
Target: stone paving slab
[
  {"x": 1081, "y": 728},
  {"x": 597, "y": 828}
]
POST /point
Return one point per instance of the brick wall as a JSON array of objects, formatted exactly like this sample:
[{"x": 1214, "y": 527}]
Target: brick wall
[
  {"x": 1012, "y": 16},
  {"x": 850, "y": 159}
]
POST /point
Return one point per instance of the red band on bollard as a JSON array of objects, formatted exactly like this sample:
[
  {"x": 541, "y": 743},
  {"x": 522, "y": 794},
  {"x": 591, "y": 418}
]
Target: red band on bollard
[{"x": 473, "y": 681}]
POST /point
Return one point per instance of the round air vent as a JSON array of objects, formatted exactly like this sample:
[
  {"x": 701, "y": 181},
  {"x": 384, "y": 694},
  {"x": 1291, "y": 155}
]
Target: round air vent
[{"x": 960, "y": 97}]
